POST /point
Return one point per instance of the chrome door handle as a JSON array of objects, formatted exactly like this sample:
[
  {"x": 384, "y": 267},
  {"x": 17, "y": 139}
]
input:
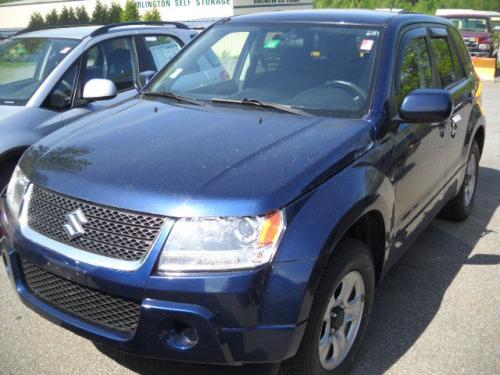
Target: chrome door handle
[{"x": 454, "y": 127}]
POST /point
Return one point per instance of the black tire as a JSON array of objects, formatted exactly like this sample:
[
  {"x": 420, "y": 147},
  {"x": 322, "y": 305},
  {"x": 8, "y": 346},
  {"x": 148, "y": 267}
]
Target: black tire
[
  {"x": 460, "y": 207},
  {"x": 350, "y": 255}
]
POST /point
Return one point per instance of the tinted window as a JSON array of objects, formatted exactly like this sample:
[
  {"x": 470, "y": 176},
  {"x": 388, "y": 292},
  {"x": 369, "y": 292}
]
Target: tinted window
[
  {"x": 448, "y": 71},
  {"x": 61, "y": 96},
  {"x": 160, "y": 49},
  {"x": 114, "y": 60},
  {"x": 415, "y": 69}
]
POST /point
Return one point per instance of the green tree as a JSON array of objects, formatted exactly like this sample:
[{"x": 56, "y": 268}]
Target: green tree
[
  {"x": 421, "y": 6},
  {"x": 100, "y": 13},
  {"x": 64, "y": 16},
  {"x": 115, "y": 13},
  {"x": 130, "y": 13},
  {"x": 73, "y": 19},
  {"x": 152, "y": 15},
  {"x": 82, "y": 16},
  {"x": 36, "y": 20},
  {"x": 52, "y": 18}
]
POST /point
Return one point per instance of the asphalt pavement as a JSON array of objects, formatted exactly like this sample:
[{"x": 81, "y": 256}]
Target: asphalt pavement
[{"x": 436, "y": 312}]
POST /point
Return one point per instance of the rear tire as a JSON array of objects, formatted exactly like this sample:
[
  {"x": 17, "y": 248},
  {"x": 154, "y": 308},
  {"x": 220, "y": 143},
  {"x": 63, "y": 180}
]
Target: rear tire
[
  {"x": 339, "y": 315},
  {"x": 460, "y": 207}
]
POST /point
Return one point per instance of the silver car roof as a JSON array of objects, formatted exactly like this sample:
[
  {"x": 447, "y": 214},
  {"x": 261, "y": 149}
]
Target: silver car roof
[
  {"x": 81, "y": 32},
  {"x": 77, "y": 32}
]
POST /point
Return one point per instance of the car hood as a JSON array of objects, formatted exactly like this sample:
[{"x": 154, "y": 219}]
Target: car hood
[
  {"x": 175, "y": 160},
  {"x": 7, "y": 111}
]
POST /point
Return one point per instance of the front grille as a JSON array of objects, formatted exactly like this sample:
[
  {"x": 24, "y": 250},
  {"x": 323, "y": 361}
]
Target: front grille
[
  {"x": 471, "y": 43},
  {"x": 110, "y": 232},
  {"x": 87, "y": 304}
]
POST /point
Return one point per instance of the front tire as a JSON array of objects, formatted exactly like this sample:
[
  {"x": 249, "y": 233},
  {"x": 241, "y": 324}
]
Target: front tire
[
  {"x": 339, "y": 315},
  {"x": 460, "y": 207}
]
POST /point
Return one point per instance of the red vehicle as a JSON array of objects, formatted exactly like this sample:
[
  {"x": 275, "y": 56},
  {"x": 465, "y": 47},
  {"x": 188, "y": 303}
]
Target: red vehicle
[{"x": 478, "y": 32}]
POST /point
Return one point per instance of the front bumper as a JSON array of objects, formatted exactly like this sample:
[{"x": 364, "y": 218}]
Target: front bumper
[{"x": 239, "y": 317}]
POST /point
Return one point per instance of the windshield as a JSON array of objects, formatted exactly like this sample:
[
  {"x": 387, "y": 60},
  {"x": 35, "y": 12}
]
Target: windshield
[
  {"x": 323, "y": 70},
  {"x": 470, "y": 24},
  {"x": 25, "y": 63}
]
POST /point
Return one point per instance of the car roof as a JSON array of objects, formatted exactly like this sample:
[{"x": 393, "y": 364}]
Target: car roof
[
  {"x": 76, "y": 32},
  {"x": 81, "y": 32},
  {"x": 351, "y": 16}
]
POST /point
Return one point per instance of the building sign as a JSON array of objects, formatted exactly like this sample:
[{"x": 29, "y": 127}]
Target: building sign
[
  {"x": 177, "y": 10},
  {"x": 253, "y": 6}
]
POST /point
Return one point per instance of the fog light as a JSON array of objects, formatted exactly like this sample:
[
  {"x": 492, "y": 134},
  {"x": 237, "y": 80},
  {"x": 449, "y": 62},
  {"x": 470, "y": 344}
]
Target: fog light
[{"x": 182, "y": 336}]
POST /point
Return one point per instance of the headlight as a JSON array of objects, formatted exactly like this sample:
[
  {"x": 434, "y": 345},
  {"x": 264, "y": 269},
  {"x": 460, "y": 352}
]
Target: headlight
[
  {"x": 222, "y": 243},
  {"x": 15, "y": 191},
  {"x": 484, "y": 46}
]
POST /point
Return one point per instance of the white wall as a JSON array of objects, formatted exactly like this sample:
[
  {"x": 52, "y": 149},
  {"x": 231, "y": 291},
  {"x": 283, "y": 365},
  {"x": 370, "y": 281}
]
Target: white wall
[{"x": 18, "y": 16}]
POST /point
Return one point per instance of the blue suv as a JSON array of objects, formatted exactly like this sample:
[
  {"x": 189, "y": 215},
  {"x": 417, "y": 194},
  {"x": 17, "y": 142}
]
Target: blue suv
[{"x": 244, "y": 206}]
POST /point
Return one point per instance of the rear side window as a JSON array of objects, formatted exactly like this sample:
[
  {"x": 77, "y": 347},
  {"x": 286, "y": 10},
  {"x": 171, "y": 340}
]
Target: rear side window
[
  {"x": 415, "y": 69},
  {"x": 114, "y": 60},
  {"x": 160, "y": 49},
  {"x": 448, "y": 69}
]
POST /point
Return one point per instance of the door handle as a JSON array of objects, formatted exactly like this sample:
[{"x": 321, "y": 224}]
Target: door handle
[
  {"x": 454, "y": 124},
  {"x": 454, "y": 128}
]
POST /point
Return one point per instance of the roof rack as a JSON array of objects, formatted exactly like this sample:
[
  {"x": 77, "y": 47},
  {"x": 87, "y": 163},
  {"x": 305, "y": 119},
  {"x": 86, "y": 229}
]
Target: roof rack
[
  {"x": 106, "y": 28},
  {"x": 49, "y": 27}
]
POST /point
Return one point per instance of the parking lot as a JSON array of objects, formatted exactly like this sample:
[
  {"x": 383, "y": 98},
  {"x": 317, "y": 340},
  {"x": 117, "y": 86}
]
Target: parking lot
[{"x": 436, "y": 312}]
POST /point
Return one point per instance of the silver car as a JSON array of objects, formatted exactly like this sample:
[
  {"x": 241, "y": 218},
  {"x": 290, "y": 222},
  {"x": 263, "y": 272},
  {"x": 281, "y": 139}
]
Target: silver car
[{"x": 49, "y": 78}]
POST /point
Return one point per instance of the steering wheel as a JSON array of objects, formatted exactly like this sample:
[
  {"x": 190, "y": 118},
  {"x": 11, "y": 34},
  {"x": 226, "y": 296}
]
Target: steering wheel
[{"x": 348, "y": 85}]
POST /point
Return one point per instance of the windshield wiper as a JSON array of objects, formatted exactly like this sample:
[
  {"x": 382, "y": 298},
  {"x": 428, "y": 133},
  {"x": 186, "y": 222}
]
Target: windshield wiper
[
  {"x": 171, "y": 95},
  {"x": 258, "y": 103}
]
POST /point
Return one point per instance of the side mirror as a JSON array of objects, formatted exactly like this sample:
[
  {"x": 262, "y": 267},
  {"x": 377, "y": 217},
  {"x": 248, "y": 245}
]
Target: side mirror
[
  {"x": 99, "y": 89},
  {"x": 145, "y": 77},
  {"x": 426, "y": 105}
]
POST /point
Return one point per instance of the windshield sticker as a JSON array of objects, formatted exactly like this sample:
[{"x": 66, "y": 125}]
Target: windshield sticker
[
  {"x": 272, "y": 44},
  {"x": 366, "y": 45},
  {"x": 316, "y": 54},
  {"x": 65, "y": 50},
  {"x": 372, "y": 33},
  {"x": 176, "y": 73},
  {"x": 150, "y": 39}
]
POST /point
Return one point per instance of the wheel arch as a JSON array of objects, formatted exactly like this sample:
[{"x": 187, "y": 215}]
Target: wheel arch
[
  {"x": 13, "y": 153},
  {"x": 479, "y": 137}
]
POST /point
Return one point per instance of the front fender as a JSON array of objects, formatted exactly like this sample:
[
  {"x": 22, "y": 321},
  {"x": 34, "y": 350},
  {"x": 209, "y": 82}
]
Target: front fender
[{"x": 319, "y": 220}]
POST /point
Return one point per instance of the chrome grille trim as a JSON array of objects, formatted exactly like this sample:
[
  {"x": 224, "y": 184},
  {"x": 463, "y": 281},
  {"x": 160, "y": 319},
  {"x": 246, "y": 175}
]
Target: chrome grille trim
[{"x": 68, "y": 249}]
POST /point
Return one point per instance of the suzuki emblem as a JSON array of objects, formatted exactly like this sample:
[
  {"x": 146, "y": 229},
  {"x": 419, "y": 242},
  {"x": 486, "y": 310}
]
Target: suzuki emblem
[{"x": 74, "y": 226}]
